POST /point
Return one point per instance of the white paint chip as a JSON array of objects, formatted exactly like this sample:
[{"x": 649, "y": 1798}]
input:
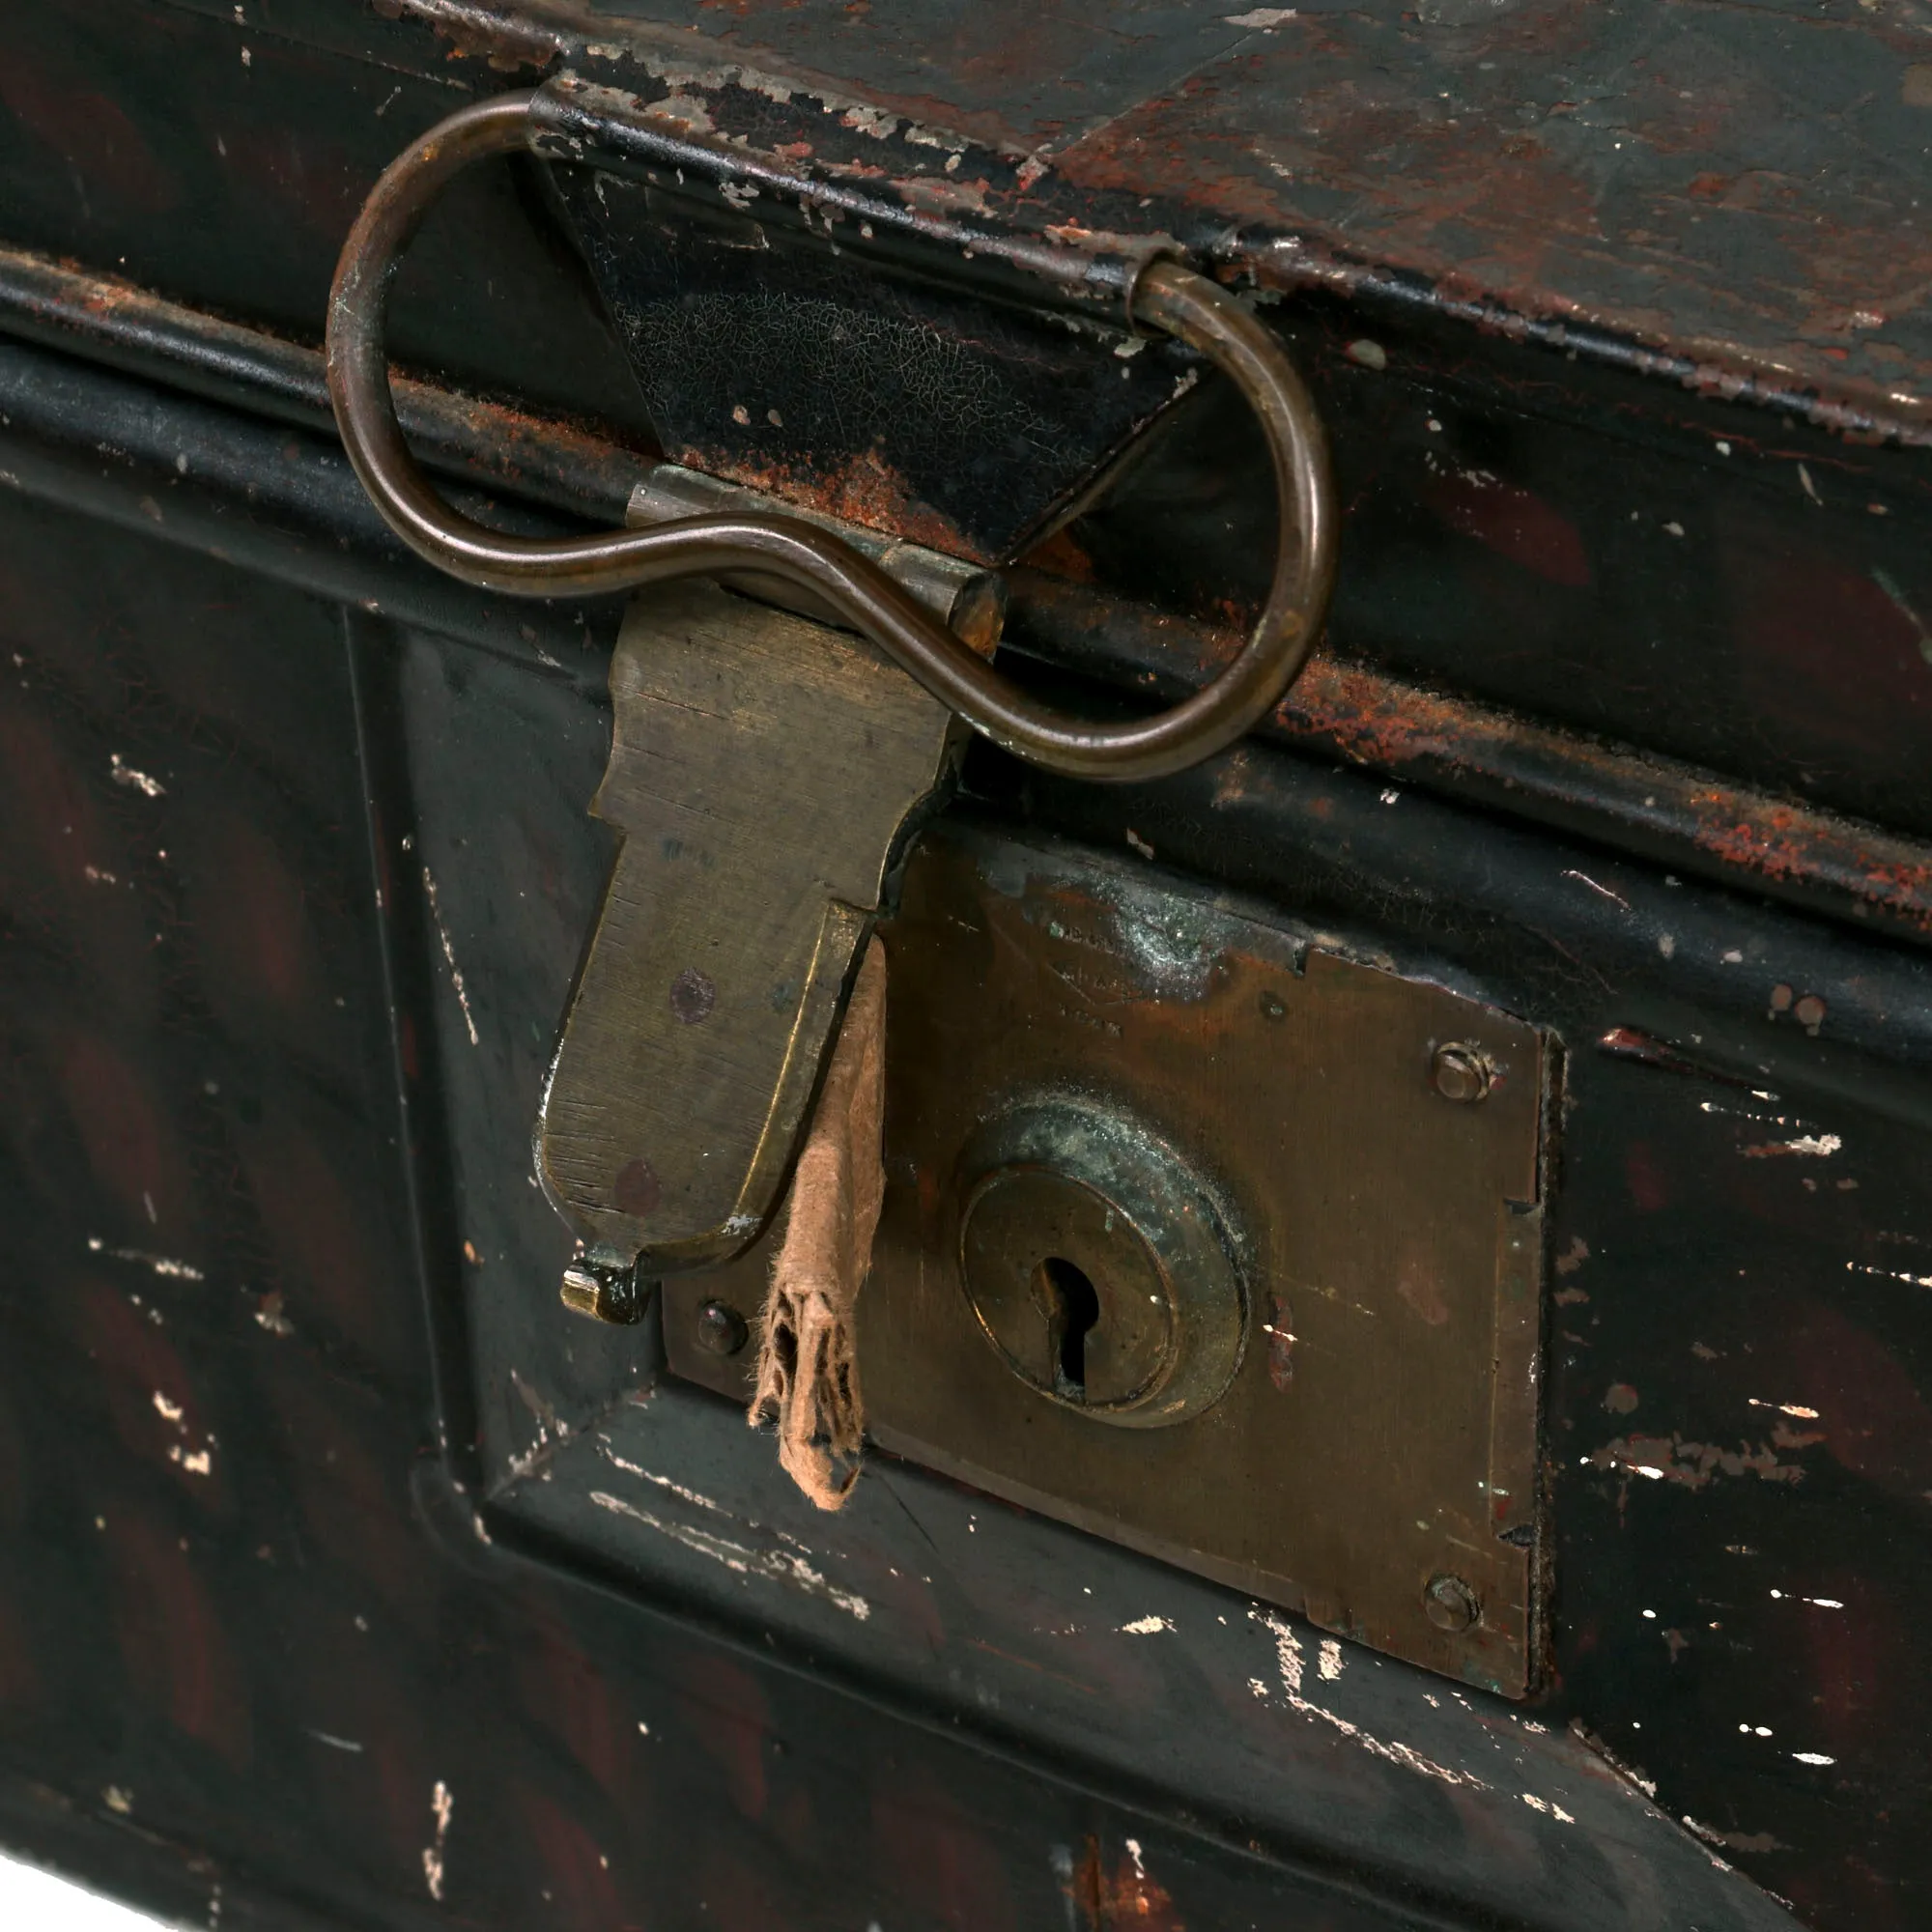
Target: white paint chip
[
  {"x": 1891, "y": 1274},
  {"x": 1146, "y": 1626},
  {"x": 441, "y": 1804},
  {"x": 1291, "y": 1664},
  {"x": 163, "y": 1265},
  {"x": 1548, "y": 1808},
  {"x": 126, "y": 775},
  {"x": 449, "y": 953},
  {"x": 1264, "y": 19}
]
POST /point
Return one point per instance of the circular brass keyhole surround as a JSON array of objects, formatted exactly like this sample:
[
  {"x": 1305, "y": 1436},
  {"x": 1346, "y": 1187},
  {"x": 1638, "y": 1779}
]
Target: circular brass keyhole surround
[{"x": 1097, "y": 1265}]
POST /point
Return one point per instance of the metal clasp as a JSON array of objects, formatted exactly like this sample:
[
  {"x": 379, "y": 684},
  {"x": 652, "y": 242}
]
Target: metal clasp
[{"x": 768, "y": 765}]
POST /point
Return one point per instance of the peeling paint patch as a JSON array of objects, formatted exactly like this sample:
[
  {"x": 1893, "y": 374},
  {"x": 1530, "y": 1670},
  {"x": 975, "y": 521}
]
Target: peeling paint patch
[
  {"x": 1821, "y": 1145},
  {"x": 1548, "y": 1808},
  {"x": 1735, "y": 1841},
  {"x": 1146, "y": 1626},
  {"x": 1692, "y": 1466},
  {"x": 777, "y": 1566},
  {"x": 874, "y": 122}
]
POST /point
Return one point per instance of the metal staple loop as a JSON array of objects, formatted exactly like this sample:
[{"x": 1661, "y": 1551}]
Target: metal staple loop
[{"x": 1165, "y": 296}]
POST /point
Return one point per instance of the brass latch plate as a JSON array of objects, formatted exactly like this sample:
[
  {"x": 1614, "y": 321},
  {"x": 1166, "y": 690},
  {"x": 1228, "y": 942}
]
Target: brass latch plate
[{"x": 1102, "y": 1086}]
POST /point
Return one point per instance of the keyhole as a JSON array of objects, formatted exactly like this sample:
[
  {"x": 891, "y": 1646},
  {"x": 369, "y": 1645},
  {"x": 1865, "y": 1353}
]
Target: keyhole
[{"x": 1072, "y": 1312}]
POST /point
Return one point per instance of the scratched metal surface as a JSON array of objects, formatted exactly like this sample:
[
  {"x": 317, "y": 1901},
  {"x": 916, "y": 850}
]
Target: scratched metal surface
[
  {"x": 1748, "y": 184},
  {"x": 1744, "y": 187}
]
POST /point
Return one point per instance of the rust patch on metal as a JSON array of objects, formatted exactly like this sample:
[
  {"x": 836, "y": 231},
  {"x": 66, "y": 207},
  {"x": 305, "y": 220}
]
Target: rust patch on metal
[
  {"x": 1396, "y": 726},
  {"x": 510, "y": 44},
  {"x": 863, "y": 489},
  {"x": 552, "y": 459},
  {"x": 1662, "y": 808},
  {"x": 1377, "y": 720},
  {"x": 1280, "y": 1333},
  {"x": 1127, "y": 1896}
]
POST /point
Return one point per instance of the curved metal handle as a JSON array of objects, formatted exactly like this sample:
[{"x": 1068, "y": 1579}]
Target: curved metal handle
[{"x": 1165, "y": 296}]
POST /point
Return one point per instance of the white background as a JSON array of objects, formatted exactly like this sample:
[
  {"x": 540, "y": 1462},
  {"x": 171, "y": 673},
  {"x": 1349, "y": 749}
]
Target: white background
[{"x": 32, "y": 1900}]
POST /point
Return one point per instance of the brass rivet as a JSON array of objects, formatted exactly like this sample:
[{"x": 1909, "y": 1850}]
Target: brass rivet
[
  {"x": 1450, "y": 1604},
  {"x": 721, "y": 1328},
  {"x": 1459, "y": 1072}
]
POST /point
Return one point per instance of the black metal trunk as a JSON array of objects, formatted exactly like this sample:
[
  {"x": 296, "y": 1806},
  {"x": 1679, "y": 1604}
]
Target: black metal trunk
[{"x": 345, "y": 1578}]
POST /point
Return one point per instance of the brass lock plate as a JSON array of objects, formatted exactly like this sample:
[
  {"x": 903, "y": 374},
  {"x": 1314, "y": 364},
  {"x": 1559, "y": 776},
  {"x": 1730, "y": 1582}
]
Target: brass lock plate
[{"x": 1204, "y": 1236}]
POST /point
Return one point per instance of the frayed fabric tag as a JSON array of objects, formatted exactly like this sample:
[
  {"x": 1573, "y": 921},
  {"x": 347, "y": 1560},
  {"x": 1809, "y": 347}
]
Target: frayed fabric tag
[{"x": 808, "y": 1366}]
